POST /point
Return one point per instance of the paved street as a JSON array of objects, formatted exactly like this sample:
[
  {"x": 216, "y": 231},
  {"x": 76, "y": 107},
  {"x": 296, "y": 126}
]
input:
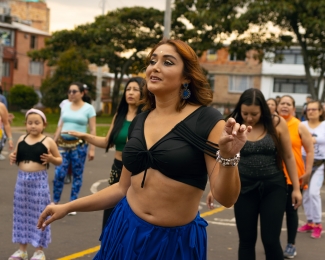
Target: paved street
[{"x": 76, "y": 237}]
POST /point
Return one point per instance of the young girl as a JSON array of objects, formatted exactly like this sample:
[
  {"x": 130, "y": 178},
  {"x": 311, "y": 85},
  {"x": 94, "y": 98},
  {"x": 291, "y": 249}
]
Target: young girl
[{"x": 34, "y": 151}]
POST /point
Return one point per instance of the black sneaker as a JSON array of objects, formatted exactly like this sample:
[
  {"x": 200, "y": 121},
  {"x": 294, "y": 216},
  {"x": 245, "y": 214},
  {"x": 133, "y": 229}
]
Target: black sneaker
[{"x": 67, "y": 179}]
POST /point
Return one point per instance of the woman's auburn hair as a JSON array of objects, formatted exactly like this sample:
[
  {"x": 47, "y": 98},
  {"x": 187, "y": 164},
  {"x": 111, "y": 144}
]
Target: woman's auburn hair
[{"x": 201, "y": 93}]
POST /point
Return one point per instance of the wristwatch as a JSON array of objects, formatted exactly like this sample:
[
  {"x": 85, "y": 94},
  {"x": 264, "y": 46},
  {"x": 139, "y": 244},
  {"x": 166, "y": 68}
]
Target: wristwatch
[{"x": 228, "y": 162}]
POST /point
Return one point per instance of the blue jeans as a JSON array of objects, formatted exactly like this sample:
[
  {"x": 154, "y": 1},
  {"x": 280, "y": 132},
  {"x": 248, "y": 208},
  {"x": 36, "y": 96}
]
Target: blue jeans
[{"x": 77, "y": 158}]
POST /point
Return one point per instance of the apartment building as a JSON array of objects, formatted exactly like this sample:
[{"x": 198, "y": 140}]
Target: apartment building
[
  {"x": 17, "y": 67},
  {"x": 231, "y": 74}
]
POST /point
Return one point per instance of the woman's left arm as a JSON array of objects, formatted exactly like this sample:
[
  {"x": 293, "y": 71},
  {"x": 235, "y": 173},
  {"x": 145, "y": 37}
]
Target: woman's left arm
[
  {"x": 224, "y": 180},
  {"x": 307, "y": 143},
  {"x": 92, "y": 130}
]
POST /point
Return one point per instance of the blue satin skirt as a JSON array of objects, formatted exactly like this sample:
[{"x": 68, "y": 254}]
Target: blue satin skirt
[{"x": 128, "y": 237}]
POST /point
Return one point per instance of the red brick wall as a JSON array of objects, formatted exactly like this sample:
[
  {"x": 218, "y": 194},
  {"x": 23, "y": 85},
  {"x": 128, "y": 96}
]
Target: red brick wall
[
  {"x": 222, "y": 68},
  {"x": 21, "y": 74},
  {"x": 38, "y": 13}
]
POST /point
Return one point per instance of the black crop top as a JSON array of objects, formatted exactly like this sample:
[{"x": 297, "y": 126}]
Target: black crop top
[
  {"x": 30, "y": 152},
  {"x": 178, "y": 155}
]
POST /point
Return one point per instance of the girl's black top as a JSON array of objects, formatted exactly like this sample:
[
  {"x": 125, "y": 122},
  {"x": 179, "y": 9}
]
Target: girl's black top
[
  {"x": 178, "y": 155},
  {"x": 30, "y": 152}
]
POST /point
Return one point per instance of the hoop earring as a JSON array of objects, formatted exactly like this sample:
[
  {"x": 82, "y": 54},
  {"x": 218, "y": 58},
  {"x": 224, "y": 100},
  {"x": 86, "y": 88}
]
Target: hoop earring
[{"x": 185, "y": 92}]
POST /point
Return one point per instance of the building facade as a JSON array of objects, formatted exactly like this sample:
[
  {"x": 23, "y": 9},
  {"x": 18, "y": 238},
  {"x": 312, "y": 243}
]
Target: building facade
[
  {"x": 17, "y": 67},
  {"x": 34, "y": 12},
  {"x": 230, "y": 75}
]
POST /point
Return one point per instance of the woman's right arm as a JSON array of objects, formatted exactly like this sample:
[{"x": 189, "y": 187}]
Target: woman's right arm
[
  {"x": 98, "y": 141},
  {"x": 13, "y": 155},
  {"x": 104, "y": 199}
]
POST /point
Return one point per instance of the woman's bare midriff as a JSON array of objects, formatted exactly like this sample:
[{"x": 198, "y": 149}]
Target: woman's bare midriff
[
  {"x": 31, "y": 167},
  {"x": 163, "y": 201},
  {"x": 118, "y": 155}
]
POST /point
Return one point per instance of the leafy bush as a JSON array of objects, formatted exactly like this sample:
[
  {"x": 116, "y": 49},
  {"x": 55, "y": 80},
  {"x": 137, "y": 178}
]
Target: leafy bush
[{"x": 23, "y": 97}]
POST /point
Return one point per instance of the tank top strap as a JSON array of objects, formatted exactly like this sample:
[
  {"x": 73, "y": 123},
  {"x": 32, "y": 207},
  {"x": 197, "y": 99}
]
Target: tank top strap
[
  {"x": 43, "y": 139},
  {"x": 25, "y": 137}
]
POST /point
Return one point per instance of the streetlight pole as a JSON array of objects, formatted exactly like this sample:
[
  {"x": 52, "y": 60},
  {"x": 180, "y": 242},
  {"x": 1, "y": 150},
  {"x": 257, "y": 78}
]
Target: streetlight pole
[
  {"x": 167, "y": 19},
  {"x": 99, "y": 77}
]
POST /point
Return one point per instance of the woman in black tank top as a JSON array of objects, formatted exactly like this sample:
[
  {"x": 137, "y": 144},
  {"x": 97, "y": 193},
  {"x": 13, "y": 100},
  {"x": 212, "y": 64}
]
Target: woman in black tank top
[{"x": 263, "y": 186}]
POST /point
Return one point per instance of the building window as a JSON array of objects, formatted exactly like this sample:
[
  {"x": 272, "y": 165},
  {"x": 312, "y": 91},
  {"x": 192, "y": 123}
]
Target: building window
[
  {"x": 211, "y": 54},
  {"x": 33, "y": 42},
  {"x": 290, "y": 86},
  {"x": 292, "y": 56},
  {"x": 7, "y": 37},
  {"x": 211, "y": 80},
  {"x": 5, "y": 69},
  {"x": 240, "y": 83},
  {"x": 36, "y": 68},
  {"x": 239, "y": 56}
]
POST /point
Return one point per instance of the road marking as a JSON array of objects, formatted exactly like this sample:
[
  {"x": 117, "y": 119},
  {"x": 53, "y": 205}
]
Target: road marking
[
  {"x": 93, "y": 188},
  {"x": 211, "y": 212},
  {"x": 80, "y": 254}
]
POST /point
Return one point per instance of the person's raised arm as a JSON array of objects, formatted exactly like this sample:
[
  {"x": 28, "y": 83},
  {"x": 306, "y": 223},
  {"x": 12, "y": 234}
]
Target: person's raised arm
[
  {"x": 307, "y": 143},
  {"x": 98, "y": 141},
  {"x": 224, "y": 180},
  {"x": 289, "y": 161}
]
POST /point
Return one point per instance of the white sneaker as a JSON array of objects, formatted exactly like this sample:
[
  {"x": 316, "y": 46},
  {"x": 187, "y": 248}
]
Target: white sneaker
[
  {"x": 2, "y": 157},
  {"x": 38, "y": 255},
  {"x": 73, "y": 213},
  {"x": 19, "y": 255}
]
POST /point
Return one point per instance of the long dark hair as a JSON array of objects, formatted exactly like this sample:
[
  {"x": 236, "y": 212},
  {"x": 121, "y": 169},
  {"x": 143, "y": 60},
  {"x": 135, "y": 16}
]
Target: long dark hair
[
  {"x": 122, "y": 111},
  {"x": 255, "y": 97}
]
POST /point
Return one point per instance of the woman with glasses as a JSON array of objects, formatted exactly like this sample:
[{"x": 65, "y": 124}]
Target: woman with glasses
[
  {"x": 76, "y": 116},
  {"x": 127, "y": 110},
  {"x": 311, "y": 197},
  {"x": 300, "y": 138}
]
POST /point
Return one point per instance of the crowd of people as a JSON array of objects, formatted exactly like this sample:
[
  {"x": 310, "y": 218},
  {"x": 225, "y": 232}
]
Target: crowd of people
[{"x": 261, "y": 159}]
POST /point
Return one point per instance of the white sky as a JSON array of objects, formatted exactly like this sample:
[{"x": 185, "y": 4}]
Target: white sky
[{"x": 66, "y": 14}]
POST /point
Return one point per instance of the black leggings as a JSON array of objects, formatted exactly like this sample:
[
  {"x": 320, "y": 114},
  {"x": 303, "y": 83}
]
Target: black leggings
[
  {"x": 269, "y": 202},
  {"x": 114, "y": 178},
  {"x": 291, "y": 218}
]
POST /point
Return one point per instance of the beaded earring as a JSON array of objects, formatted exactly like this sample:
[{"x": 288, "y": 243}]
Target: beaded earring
[{"x": 185, "y": 92}]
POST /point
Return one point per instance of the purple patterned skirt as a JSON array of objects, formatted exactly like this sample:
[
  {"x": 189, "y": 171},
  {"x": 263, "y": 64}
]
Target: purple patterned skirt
[{"x": 31, "y": 196}]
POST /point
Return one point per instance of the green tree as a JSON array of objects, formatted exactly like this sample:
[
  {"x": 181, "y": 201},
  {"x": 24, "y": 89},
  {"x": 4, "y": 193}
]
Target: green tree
[
  {"x": 295, "y": 23},
  {"x": 70, "y": 67},
  {"x": 119, "y": 39},
  {"x": 23, "y": 97}
]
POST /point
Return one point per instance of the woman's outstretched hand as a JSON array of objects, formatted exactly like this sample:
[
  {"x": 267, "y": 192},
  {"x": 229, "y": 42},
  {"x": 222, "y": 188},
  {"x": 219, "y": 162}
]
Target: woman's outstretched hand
[
  {"x": 51, "y": 213},
  {"x": 233, "y": 138}
]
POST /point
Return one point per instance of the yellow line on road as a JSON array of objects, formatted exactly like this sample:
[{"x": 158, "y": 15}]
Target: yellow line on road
[
  {"x": 80, "y": 254},
  {"x": 96, "y": 248},
  {"x": 211, "y": 212}
]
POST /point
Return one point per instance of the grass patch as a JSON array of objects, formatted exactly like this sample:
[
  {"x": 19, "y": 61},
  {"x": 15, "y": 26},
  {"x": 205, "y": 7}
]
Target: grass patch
[{"x": 53, "y": 119}]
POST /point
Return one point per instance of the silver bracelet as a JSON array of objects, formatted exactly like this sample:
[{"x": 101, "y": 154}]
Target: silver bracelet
[{"x": 228, "y": 162}]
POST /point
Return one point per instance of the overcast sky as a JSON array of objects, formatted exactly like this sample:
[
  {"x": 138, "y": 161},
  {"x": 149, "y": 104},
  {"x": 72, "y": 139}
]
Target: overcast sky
[{"x": 66, "y": 14}]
